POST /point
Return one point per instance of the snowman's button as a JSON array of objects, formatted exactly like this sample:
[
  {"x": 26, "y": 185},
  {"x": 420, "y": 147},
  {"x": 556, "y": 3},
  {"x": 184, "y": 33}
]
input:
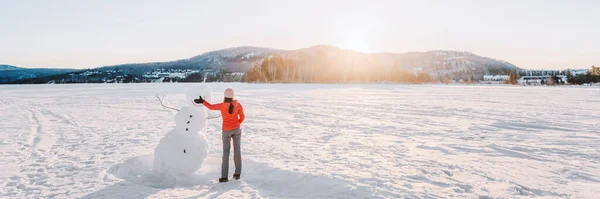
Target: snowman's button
[
  {"x": 183, "y": 150},
  {"x": 191, "y": 115},
  {"x": 188, "y": 122}
]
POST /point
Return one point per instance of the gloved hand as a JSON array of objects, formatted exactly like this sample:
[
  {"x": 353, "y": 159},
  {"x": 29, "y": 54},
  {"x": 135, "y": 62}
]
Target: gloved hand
[{"x": 199, "y": 100}]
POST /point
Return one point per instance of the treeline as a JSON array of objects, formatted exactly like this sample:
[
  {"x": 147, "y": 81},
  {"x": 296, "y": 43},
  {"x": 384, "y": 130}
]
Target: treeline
[
  {"x": 8, "y": 76},
  {"x": 320, "y": 69},
  {"x": 583, "y": 79},
  {"x": 105, "y": 77},
  {"x": 199, "y": 77}
]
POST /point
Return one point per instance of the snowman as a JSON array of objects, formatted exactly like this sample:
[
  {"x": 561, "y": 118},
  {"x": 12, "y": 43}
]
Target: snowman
[{"x": 182, "y": 151}]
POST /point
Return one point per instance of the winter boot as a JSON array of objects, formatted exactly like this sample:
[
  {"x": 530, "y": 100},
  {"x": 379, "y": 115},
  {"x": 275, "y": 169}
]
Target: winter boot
[
  {"x": 236, "y": 176},
  {"x": 223, "y": 180}
]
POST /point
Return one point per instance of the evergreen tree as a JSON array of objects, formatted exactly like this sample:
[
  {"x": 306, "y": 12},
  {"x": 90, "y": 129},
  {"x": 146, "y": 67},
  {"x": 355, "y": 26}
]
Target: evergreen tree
[
  {"x": 194, "y": 77},
  {"x": 570, "y": 78}
]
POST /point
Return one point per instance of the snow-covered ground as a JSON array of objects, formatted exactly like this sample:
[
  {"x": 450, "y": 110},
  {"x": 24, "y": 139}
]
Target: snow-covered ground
[{"x": 309, "y": 141}]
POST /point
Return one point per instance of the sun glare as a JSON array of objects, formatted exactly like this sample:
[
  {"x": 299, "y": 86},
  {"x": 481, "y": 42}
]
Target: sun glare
[{"x": 356, "y": 41}]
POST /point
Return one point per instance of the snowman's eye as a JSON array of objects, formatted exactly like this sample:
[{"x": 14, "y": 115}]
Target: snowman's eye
[
  {"x": 183, "y": 150},
  {"x": 190, "y": 115},
  {"x": 186, "y": 129}
]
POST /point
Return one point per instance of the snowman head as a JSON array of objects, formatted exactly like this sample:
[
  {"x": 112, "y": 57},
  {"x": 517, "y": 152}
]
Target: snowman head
[{"x": 201, "y": 90}]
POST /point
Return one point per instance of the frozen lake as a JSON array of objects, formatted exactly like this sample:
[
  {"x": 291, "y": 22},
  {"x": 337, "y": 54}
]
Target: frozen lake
[{"x": 309, "y": 141}]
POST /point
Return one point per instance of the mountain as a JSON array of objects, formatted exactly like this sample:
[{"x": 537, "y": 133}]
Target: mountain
[
  {"x": 238, "y": 59},
  {"x": 449, "y": 64},
  {"x": 7, "y": 67},
  {"x": 233, "y": 59},
  {"x": 326, "y": 59},
  {"x": 455, "y": 64},
  {"x": 9, "y": 73},
  {"x": 241, "y": 59}
]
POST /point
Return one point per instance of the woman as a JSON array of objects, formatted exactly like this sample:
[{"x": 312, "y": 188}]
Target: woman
[{"x": 233, "y": 116}]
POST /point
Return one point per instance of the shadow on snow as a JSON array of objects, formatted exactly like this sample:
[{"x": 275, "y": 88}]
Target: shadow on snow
[{"x": 141, "y": 181}]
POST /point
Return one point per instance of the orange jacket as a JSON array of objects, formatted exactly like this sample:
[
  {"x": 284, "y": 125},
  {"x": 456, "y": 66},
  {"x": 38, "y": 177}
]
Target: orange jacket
[{"x": 230, "y": 121}]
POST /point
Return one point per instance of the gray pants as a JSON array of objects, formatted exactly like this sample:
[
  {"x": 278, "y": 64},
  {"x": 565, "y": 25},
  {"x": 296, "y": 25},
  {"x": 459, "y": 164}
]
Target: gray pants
[{"x": 236, "y": 135}]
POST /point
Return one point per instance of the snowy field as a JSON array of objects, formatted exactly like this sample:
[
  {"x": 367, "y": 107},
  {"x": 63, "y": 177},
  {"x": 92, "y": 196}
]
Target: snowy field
[{"x": 309, "y": 141}]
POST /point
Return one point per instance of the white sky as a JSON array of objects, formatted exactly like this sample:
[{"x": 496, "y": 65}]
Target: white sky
[{"x": 545, "y": 34}]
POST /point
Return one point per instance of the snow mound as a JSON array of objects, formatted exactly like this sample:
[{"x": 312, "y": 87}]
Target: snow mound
[{"x": 139, "y": 170}]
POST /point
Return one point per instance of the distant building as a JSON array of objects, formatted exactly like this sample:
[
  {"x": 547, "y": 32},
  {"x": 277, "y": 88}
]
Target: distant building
[
  {"x": 209, "y": 72},
  {"x": 496, "y": 78},
  {"x": 233, "y": 77},
  {"x": 535, "y": 77},
  {"x": 545, "y": 73},
  {"x": 576, "y": 72},
  {"x": 177, "y": 75}
]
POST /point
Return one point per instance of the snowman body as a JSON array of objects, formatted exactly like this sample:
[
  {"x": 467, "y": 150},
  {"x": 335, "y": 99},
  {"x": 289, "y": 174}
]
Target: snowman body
[{"x": 183, "y": 150}]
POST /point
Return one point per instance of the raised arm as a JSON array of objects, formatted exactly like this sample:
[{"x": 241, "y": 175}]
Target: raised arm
[
  {"x": 241, "y": 112},
  {"x": 213, "y": 107}
]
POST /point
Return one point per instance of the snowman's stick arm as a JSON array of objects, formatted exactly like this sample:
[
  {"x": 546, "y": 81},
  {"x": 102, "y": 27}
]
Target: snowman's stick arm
[{"x": 163, "y": 105}]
